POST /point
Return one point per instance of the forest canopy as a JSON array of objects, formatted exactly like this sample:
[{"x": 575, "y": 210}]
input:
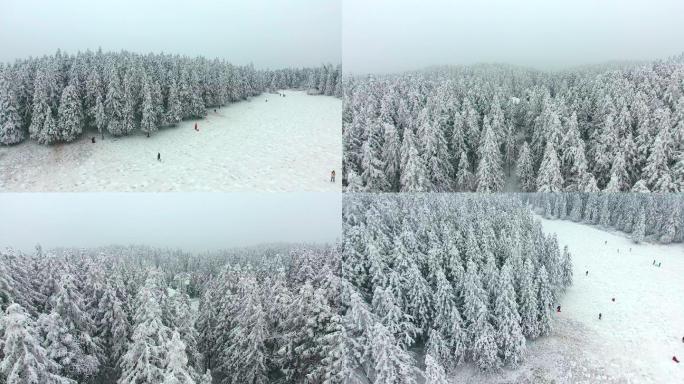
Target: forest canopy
[{"x": 489, "y": 128}]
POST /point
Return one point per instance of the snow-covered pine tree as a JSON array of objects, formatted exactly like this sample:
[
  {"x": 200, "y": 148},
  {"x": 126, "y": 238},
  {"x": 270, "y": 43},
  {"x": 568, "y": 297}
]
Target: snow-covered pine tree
[
  {"x": 392, "y": 364},
  {"x": 413, "y": 173},
  {"x": 174, "y": 110},
  {"x": 509, "y": 335},
  {"x": 639, "y": 227},
  {"x": 549, "y": 177},
  {"x": 545, "y": 301},
  {"x": 145, "y": 359},
  {"x": 489, "y": 176},
  {"x": 434, "y": 372},
  {"x": 24, "y": 359},
  {"x": 148, "y": 124},
  {"x": 176, "y": 367},
  {"x": 11, "y": 130},
  {"x": 525, "y": 170},
  {"x": 70, "y": 115}
]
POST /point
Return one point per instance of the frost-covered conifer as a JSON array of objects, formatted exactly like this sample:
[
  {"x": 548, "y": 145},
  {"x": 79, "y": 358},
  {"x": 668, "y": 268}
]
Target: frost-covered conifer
[
  {"x": 24, "y": 359},
  {"x": 70, "y": 114}
]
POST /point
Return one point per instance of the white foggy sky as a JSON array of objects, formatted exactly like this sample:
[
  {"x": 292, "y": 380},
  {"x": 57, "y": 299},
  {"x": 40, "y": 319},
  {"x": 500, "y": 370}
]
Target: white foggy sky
[
  {"x": 397, "y": 35},
  {"x": 269, "y": 33},
  {"x": 191, "y": 221}
]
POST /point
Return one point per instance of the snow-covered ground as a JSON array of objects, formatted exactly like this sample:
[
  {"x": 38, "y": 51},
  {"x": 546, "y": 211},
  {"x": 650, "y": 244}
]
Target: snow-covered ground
[
  {"x": 639, "y": 332},
  {"x": 286, "y": 144}
]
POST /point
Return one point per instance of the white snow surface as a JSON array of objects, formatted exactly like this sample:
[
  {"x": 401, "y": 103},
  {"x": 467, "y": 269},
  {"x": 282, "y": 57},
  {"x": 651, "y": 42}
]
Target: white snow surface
[
  {"x": 639, "y": 332},
  {"x": 284, "y": 144}
]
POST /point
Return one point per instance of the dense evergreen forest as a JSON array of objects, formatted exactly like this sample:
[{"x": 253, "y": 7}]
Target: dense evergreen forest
[
  {"x": 654, "y": 217},
  {"x": 59, "y": 97},
  {"x": 451, "y": 278},
  {"x": 144, "y": 315},
  {"x": 489, "y": 128}
]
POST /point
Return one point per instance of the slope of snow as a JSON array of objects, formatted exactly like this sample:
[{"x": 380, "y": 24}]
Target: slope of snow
[
  {"x": 643, "y": 328},
  {"x": 284, "y": 144},
  {"x": 639, "y": 332}
]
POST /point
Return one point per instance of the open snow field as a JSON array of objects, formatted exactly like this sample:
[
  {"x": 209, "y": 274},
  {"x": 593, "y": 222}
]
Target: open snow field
[
  {"x": 286, "y": 144},
  {"x": 639, "y": 332}
]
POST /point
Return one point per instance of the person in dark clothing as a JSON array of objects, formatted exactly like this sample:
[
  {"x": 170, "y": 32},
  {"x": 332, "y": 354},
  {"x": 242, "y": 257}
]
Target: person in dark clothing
[
  {"x": 600, "y": 315},
  {"x": 92, "y": 139},
  {"x": 586, "y": 273},
  {"x": 158, "y": 156},
  {"x": 613, "y": 299},
  {"x": 674, "y": 358},
  {"x": 196, "y": 129},
  {"x": 332, "y": 176},
  {"x": 659, "y": 263},
  {"x": 214, "y": 111},
  {"x": 653, "y": 261},
  {"x": 558, "y": 309},
  {"x": 682, "y": 339}
]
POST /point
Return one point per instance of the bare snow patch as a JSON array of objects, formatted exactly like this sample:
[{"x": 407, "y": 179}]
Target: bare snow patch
[{"x": 268, "y": 143}]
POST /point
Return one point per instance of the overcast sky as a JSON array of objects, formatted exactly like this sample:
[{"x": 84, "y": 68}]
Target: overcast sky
[
  {"x": 269, "y": 33},
  {"x": 398, "y": 35},
  {"x": 191, "y": 221}
]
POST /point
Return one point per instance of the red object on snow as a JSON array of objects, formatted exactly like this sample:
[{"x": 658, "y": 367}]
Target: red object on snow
[{"x": 674, "y": 358}]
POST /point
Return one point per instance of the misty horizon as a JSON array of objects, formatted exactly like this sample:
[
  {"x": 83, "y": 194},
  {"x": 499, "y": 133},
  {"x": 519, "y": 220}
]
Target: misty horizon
[
  {"x": 269, "y": 35},
  {"x": 193, "y": 222},
  {"x": 384, "y": 37}
]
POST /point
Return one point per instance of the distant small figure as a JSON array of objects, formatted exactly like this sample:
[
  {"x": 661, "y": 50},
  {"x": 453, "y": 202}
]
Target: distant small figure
[
  {"x": 196, "y": 129},
  {"x": 613, "y": 299},
  {"x": 332, "y": 176},
  {"x": 682, "y": 339},
  {"x": 158, "y": 156},
  {"x": 674, "y": 358},
  {"x": 605, "y": 242},
  {"x": 214, "y": 110},
  {"x": 558, "y": 309},
  {"x": 92, "y": 139},
  {"x": 653, "y": 261},
  {"x": 586, "y": 273},
  {"x": 659, "y": 263},
  {"x": 600, "y": 315},
  {"x": 267, "y": 100}
]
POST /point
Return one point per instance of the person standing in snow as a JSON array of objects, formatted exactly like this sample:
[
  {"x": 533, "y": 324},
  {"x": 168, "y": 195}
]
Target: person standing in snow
[
  {"x": 674, "y": 358},
  {"x": 158, "y": 156},
  {"x": 332, "y": 176},
  {"x": 558, "y": 309},
  {"x": 92, "y": 139},
  {"x": 196, "y": 129},
  {"x": 605, "y": 242},
  {"x": 586, "y": 273},
  {"x": 653, "y": 261},
  {"x": 600, "y": 315}
]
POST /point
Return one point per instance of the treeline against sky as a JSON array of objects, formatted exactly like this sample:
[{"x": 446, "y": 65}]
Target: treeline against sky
[{"x": 56, "y": 98}]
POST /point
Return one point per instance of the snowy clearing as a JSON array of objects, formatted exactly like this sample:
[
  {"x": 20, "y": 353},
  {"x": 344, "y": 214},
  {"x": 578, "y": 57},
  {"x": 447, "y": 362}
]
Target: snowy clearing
[
  {"x": 284, "y": 144},
  {"x": 639, "y": 332}
]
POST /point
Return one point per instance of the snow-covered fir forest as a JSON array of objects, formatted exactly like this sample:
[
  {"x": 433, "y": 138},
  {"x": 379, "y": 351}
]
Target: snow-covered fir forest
[
  {"x": 489, "y": 128},
  {"x": 135, "y": 314},
  {"x": 432, "y": 282},
  {"x": 653, "y": 217},
  {"x": 59, "y": 97}
]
